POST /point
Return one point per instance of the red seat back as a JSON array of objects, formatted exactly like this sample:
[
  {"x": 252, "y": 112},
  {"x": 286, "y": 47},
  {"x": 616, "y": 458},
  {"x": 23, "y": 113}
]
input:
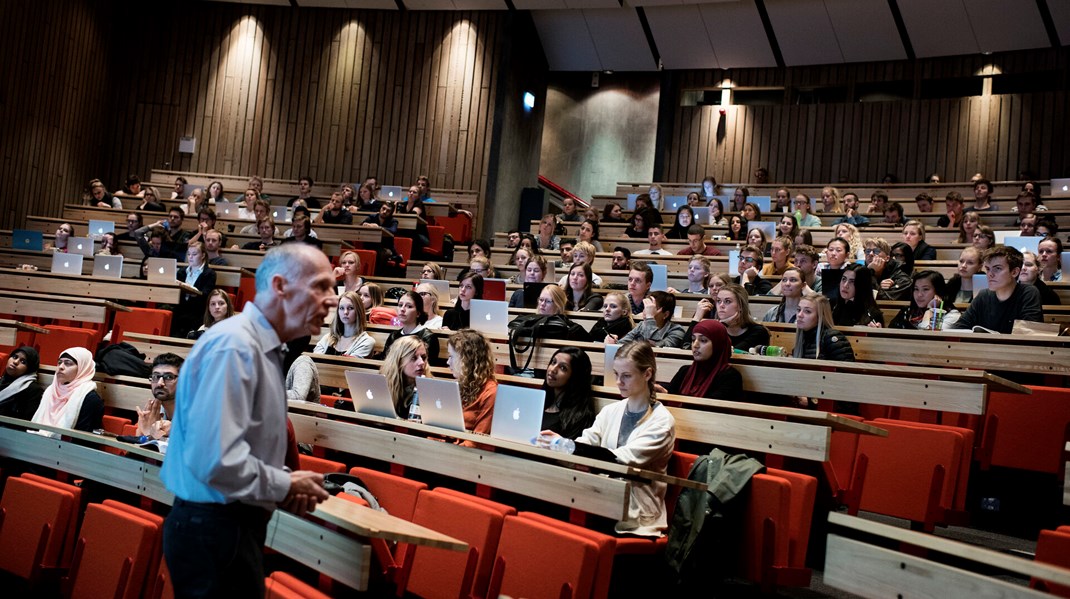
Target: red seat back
[
  {"x": 34, "y": 526},
  {"x": 1053, "y": 547},
  {"x": 800, "y": 515},
  {"x": 113, "y": 554},
  {"x": 403, "y": 246},
  {"x": 281, "y": 585},
  {"x": 459, "y": 227},
  {"x": 766, "y": 542},
  {"x": 320, "y": 465},
  {"x": 436, "y": 237},
  {"x": 1027, "y": 432},
  {"x": 607, "y": 549},
  {"x": 526, "y": 566},
  {"x": 72, "y": 525},
  {"x": 141, "y": 320},
  {"x": 59, "y": 338}
]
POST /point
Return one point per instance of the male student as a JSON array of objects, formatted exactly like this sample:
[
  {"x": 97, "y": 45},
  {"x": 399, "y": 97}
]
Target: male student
[
  {"x": 621, "y": 257},
  {"x": 750, "y": 268},
  {"x": 953, "y": 204},
  {"x": 654, "y": 237},
  {"x": 890, "y": 279},
  {"x": 640, "y": 277},
  {"x": 924, "y": 202},
  {"x": 1006, "y": 300},
  {"x": 852, "y": 214},
  {"x": 154, "y": 420},
  {"x": 696, "y": 243}
]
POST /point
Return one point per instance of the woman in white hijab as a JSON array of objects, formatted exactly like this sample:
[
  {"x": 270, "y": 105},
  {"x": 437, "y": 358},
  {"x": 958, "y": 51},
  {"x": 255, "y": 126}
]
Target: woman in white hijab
[{"x": 71, "y": 401}]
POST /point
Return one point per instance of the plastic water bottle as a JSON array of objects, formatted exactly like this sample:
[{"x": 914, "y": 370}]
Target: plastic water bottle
[
  {"x": 767, "y": 350},
  {"x": 414, "y": 407},
  {"x": 563, "y": 445}
]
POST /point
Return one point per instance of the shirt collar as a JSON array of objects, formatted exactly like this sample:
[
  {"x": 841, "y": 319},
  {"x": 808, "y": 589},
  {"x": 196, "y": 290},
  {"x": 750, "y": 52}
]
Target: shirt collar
[{"x": 264, "y": 330}]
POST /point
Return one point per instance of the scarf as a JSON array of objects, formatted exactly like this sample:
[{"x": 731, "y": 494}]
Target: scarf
[
  {"x": 11, "y": 387},
  {"x": 701, "y": 374},
  {"x": 61, "y": 404}
]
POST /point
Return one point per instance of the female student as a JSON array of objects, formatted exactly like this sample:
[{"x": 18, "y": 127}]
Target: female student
[
  {"x": 787, "y": 226},
  {"x": 960, "y": 285},
  {"x": 63, "y": 232},
  {"x": 613, "y": 213},
  {"x": 640, "y": 221},
  {"x": 616, "y": 318},
  {"x": 983, "y": 237},
  {"x": 520, "y": 259},
  {"x": 588, "y": 233},
  {"x": 580, "y": 292},
  {"x": 710, "y": 375},
  {"x": 431, "y": 271},
  {"x": 814, "y": 335},
  {"x": 640, "y": 432},
  {"x": 546, "y": 239},
  {"x": 189, "y": 312},
  {"x": 655, "y": 196},
  {"x": 803, "y": 208},
  {"x": 569, "y": 406},
  {"x": 1050, "y": 251},
  {"x": 406, "y": 361},
  {"x": 854, "y": 239},
  {"x": 685, "y": 217},
  {"x": 830, "y": 201},
  {"x": 71, "y": 401},
  {"x": 758, "y": 239},
  {"x": 733, "y": 310},
  {"x": 737, "y": 228},
  {"x": 458, "y": 317},
  {"x": 20, "y": 394},
  {"x": 372, "y": 299},
  {"x": 347, "y": 335},
  {"x": 739, "y": 199},
  {"x": 856, "y": 305},
  {"x": 968, "y": 227},
  {"x": 914, "y": 236},
  {"x": 108, "y": 245},
  {"x": 1030, "y": 275},
  {"x": 219, "y": 308},
  {"x": 792, "y": 285},
  {"x": 472, "y": 363},
  {"x": 412, "y": 319},
  {"x": 781, "y": 252},
  {"x": 534, "y": 272},
  {"x": 927, "y": 294},
  {"x": 782, "y": 200},
  {"x": 429, "y": 297},
  {"x": 348, "y": 272},
  {"x": 717, "y": 218},
  {"x": 751, "y": 212}
]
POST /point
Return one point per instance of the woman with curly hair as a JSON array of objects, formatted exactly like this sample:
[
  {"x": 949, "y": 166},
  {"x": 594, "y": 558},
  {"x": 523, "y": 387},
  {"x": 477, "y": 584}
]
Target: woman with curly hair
[{"x": 472, "y": 363}]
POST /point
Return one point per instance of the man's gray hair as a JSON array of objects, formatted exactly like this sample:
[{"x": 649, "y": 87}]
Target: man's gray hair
[{"x": 288, "y": 260}]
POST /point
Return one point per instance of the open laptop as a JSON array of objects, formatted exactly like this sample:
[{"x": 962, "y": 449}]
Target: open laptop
[
  {"x": 490, "y": 317},
  {"x": 494, "y": 289},
  {"x": 226, "y": 209},
  {"x": 80, "y": 245},
  {"x": 67, "y": 264},
  {"x": 1020, "y": 243},
  {"x": 532, "y": 291},
  {"x": 702, "y": 215},
  {"x": 661, "y": 277},
  {"x": 768, "y": 226},
  {"x": 440, "y": 403},
  {"x": 370, "y": 393},
  {"x": 22, "y": 239},
  {"x": 630, "y": 201},
  {"x": 442, "y": 289},
  {"x": 279, "y": 213},
  {"x": 980, "y": 282},
  {"x": 763, "y": 202},
  {"x": 673, "y": 203},
  {"x": 517, "y": 413},
  {"x": 392, "y": 193},
  {"x": 97, "y": 228},
  {"x": 611, "y": 354},
  {"x": 108, "y": 266},
  {"x": 162, "y": 270},
  {"x": 1060, "y": 188}
]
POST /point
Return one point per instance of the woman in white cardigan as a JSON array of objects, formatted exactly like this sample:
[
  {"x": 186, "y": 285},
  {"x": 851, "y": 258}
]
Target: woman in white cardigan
[{"x": 348, "y": 335}]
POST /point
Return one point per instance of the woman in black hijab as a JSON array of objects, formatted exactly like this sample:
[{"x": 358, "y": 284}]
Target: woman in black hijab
[{"x": 20, "y": 394}]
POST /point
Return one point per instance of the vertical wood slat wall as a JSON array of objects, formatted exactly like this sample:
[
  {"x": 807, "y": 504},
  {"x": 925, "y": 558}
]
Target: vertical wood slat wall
[
  {"x": 997, "y": 135},
  {"x": 52, "y": 103},
  {"x": 333, "y": 94}
]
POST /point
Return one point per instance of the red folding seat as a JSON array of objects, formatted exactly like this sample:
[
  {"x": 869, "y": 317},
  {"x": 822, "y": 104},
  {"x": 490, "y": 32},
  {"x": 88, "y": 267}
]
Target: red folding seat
[
  {"x": 526, "y": 566},
  {"x": 34, "y": 523},
  {"x": 1027, "y": 432},
  {"x": 281, "y": 585},
  {"x": 59, "y": 338},
  {"x": 1053, "y": 547},
  {"x": 141, "y": 320},
  {"x": 320, "y": 465},
  {"x": 112, "y": 555}
]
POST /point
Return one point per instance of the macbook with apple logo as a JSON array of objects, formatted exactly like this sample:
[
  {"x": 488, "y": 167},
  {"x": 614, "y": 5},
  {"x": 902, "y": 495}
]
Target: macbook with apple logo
[
  {"x": 370, "y": 394},
  {"x": 490, "y": 317},
  {"x": 67, "y": 264},
  {"x": 108, "y": 266},
  {"x": 161, "y": 270},
  {"x": 517, "y": 413},
  {"x": 80, "y": 245},
  {"x": 440, "y": 403}
]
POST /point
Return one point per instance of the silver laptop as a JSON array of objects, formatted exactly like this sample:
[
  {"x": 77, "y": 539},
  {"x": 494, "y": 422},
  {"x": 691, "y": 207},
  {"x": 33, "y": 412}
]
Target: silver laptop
[
  {"x": 162, "y": 270},
  {"x": 631, "y": 201},
  {"x": 673, "y": 203},
  {"x": 442, "y": 288},
  {"x": 1020, "y": 243},
  {"x": 226, "y": 209},
  {"x": 702, "y": 215},
  {"x": 768, "y": 226},
  {"x": 440, "y": 403},
  {"x": 661, "y": 277},
  {"x": 279, "y": 213},
  {"x": 67, "y": 264},
  {"x": 1060, "y": 188},
  {"x": 80, "y": 245},
  {"x": 517, "y": 414},
  {"x": 763, "y": 202},
  {"x": 392, "y": 193},
  {"x": 108, "y": 266},
  {"x": 97, "y": 228},
  {"x": 611, "y": 354},
  {"x": 490, "y": 317},
  {"x": 980, "y": 283},
  {"x": 370, "y": 394}
]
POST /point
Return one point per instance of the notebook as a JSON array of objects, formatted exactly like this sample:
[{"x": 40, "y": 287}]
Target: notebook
[
  {"x": 1060, "y": 188},
  {"x": 980, "y": 282},
  {"x": 97, "y": 228},
  {"x": 763, "y": 202},
  {"x": 532, "y": 291},
  {"x": 490, "y": 317},
  {"x": 440, "y": 403},
  {"x": 67, "y": 264},
  {"x": 769, "y": 227},
  {"x": 162, "y": 270},
  {"x": 226, "y": 209},
  {"x": 108, "y": 266},
  {"x": 279, "y": 213},
  {"x": 80, "y": 245},
  {"x": 392, "y": 193},
  {"x": 702, "y": 215},
  {"x": 631, "y": 201},
  {"x": 442, "y": 288},
  {"x": 1020, "y": 243},
  {"x": 22, "y": 239},
  {"x": 517, "y": 413},
  {"x": 370, "y": 393}
]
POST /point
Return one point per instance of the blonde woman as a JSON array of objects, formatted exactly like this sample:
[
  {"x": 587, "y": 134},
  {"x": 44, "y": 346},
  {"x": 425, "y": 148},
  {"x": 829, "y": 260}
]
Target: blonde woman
[
  {"x": 814, "y": 335},
  {"x": 472, "y": 363},
  {"x": 850, "y": 233},
  {"x": 582, "y": 253},
  {"x": 348, "y": 272},
  {"x": 348, "y": 335},
  {"x": 432, "y": 271},
  {"x": 830, "y": 201},
  {"x": 429, "y": 296},
  {"x": 371, "y": 295},
  {"x": 406, "y": 361},
  {"x": 616, "y": 317}
]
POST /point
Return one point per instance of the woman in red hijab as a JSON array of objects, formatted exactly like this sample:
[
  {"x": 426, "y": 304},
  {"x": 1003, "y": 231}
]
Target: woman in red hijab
[{"x": 710, "y": 375}]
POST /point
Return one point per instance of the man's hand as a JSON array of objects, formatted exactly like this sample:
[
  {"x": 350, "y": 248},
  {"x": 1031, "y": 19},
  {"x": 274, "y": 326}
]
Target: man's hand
[
  {"x": 705, "y": 306},
  {"x": 649, "y": 307},
  {"x": 148, "y": 417},
  {"x": 306, "y": 491}
]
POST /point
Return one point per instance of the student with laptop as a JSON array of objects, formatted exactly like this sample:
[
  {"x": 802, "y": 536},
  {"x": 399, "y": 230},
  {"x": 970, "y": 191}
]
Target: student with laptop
[
  {"x": 348, "y": 334},
  {"x": 472, "y": 363},
  {"x": 407, "y": 360},
  {"x": 412, "y": 317},
  {"x": 429, "y": 296},
  {"x": 569, "y": 406},
  {"x": 189, "y": 312},
  {"x": 1006, "y": 300},
  {"x": 459, "y": 316},
  {"x": 639, "y": 431},
  {"x": 108, "y": 245},
  {"x": 64, "y": 232}
]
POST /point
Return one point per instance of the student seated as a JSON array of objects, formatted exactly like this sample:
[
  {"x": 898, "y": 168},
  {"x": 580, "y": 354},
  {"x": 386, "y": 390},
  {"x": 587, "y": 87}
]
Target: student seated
[
  {"x": 348, "y": 335},
  {"x": 429, "y": 295},
  {"x": 927, "y": 291},
  {"x": 580, "y": 290},
  {"x": 588, "y": 233},
  {"x": 914, "y": 236},
  {"x": 657, "y": 326},
  {"x": 640, "y": 278},
  {"x": 733, "y": 311},
  {"x": 685, "y": 219},
  {"x": 960, "y": 285},
  {"x": 412, "y": 318},
  {"x": 696, "y": 243},
  {"x": 639, "y": 431},
  {"x": 710, "y": 375},
  {"x": 552, "y": 303},
  {"x": 472, "y": 363},
  {"x": 780, "y": 253},
  {"x": 189, "y": 313},
  {"x": 814, "y": 336},
  {"x": 459, "y": 316},
  {"x": 698, "y": 275},
  {"x": 71, "y": 401},
  {"x": 890, "y": 278},
  {"x": 654, "y": 239},
  {"x": 1031, "y": 276},
  {"x": 534, "y": 272},
  {"x": 20, "y": 394},
  {"x": 750, "y": 264},
  {"x": 348, "y": 272},
  {"x": 1006, "y": 300},
  {"x": 582, "y": 253},
  {"x": 219, "y": 309},
  {"x": 406, "y": 361},
  {"x": 855, "y": 305},
  {"x": 373, "y": 300},
  {"x": 616, "y": 320},
  {"x": 791, "y": 287},
  {"x": 1050, "y": 251},
  {"x": 569, "y": 408},
  {"x": 520, "y": 258}
]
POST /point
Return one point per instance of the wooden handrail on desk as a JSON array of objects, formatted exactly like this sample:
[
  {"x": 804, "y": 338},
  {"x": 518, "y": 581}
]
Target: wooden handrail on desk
[
  {"x": 63, "y": 307},
  {"x": 93, "y": 287}
]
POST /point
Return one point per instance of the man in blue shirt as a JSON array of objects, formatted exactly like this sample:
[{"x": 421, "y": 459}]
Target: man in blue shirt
[{"x": 228, "y": 436}]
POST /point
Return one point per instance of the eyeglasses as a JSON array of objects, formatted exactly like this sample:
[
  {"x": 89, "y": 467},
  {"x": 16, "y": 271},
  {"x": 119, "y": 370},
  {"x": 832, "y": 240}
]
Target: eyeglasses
[
  {"x": 424, "y": 293},
  {"x": 747, "y": 259},
  {"x": 162, "y": 376},
  {"x": 871, "y": 251}
]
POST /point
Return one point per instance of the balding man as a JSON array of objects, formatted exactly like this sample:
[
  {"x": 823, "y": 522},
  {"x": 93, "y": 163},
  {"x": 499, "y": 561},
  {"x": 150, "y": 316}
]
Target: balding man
[{"x": 228, "y": 438}]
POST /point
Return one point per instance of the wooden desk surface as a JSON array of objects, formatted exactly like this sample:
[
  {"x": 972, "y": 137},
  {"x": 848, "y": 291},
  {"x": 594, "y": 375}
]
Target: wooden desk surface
[
  {"x": 92, "y": 287},
  {"x": 367, "y": 522}
]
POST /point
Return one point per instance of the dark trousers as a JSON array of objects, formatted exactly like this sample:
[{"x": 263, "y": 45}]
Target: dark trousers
[{"x": 215, "y": 550}]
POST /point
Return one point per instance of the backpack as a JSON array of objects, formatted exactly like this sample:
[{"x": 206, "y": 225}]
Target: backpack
[{"x": 123, "y": 359}]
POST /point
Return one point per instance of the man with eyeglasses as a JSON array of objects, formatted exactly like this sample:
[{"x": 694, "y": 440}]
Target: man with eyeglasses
[
  {"x": 749, "y": 268},
  {"x": 889, "y": 277},
  {"x": 133, "y": 223},
  {"x": 154, "y": 420}
]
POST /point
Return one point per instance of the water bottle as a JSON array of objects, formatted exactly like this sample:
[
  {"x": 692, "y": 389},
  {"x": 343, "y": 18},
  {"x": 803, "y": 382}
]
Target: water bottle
[
  {"x": 767, "y": 350},
  {"x": 563, "y": 445},
  {"x": 414, "y": 407}
]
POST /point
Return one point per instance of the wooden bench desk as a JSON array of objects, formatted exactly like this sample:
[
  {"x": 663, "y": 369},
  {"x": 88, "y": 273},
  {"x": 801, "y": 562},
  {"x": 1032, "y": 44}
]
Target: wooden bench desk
[
  {"x": 92, "y": 287},
  {"x": 9, "y": 329},
  {"x": 61, "y": 307}
]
